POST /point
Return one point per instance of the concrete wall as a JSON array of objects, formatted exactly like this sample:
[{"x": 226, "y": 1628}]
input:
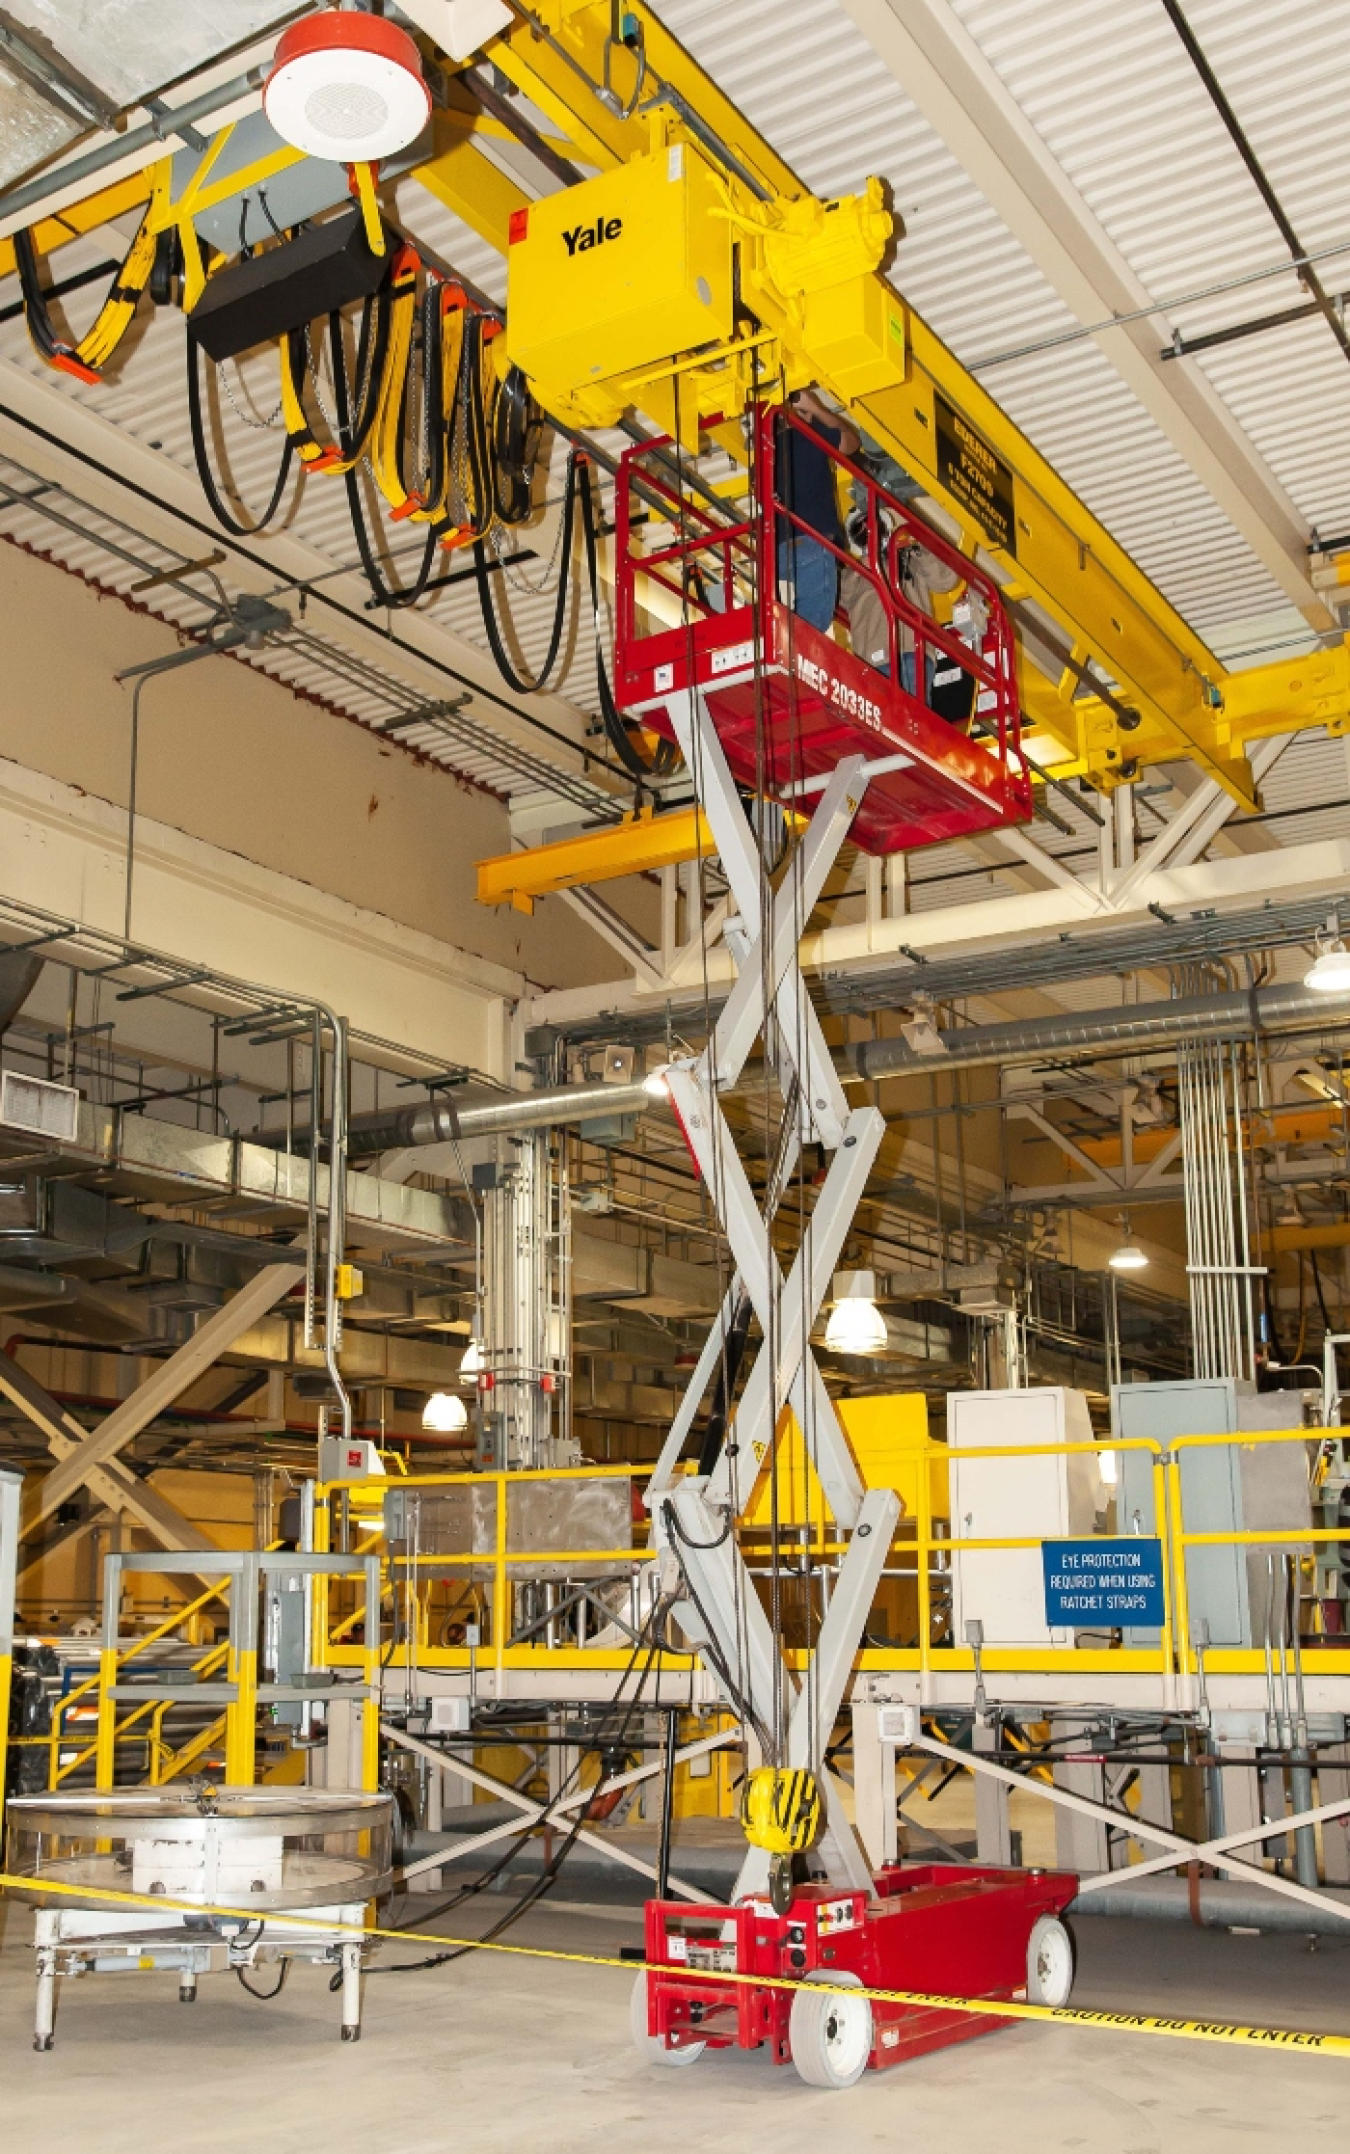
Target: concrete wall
[{"x": 236, "y": 760}]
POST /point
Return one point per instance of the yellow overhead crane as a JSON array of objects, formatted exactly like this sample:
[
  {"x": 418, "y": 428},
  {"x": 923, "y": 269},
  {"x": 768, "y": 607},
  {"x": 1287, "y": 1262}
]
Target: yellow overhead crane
[{"x": 758, "y": 288}]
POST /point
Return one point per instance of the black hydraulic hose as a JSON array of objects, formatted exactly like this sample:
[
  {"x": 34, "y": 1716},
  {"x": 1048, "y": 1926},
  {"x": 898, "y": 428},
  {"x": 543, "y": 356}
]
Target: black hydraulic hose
[
  {"x": 615, "y": 729},
  {"x": 523, "y": 684},
  {"x": 729, "y": 1368},
  {"x": 204, "y": 471}
]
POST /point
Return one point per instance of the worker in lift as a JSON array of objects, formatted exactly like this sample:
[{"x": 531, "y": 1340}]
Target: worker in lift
[
  {"x": 922, "y": 576},
  {"x": 804, "y": 484}
]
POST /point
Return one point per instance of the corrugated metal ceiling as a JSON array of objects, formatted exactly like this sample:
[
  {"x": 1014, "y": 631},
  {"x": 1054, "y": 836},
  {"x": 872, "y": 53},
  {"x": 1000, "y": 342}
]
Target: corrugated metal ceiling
[{"x": 1116, "y": 101}]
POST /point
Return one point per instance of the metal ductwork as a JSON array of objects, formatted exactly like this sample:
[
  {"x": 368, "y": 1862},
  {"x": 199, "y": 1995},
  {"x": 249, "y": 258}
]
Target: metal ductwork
[
  {"x": 1293, "y": 1008},
  {"x": 440, "y": 1121},
  {"x": 19, "y": 971}
]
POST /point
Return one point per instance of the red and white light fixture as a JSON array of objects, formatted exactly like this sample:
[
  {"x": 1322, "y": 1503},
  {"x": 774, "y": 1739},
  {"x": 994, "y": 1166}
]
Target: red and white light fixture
[{"x": 348, "y": 87}]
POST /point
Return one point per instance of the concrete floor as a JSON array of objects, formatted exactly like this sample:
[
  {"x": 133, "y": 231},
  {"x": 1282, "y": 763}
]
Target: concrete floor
[{"x": 501, "y": 2055}]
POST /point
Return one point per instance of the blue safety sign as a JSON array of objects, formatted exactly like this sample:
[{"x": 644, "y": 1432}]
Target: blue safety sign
[{"x": 1109, "y": 1580}]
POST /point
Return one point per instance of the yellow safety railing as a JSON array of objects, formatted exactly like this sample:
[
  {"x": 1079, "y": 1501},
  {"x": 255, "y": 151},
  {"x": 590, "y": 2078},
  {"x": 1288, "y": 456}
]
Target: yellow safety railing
[
  {"x": 923, "y": 1536},
  {"x": 502, "y": 1559},
  {"x": 112, "y": 1731}
]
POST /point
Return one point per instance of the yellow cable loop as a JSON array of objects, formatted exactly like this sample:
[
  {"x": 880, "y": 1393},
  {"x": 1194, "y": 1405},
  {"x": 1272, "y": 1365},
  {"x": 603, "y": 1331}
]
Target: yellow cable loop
[
  {"x": 387, "y": 432},
  {"x": 1192, "y": 2030}
]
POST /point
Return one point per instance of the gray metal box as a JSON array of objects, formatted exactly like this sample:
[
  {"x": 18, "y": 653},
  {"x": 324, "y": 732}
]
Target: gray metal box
[
  {"x": 1237, "y": 1488},
  {"x": 589, "y": 1512}
]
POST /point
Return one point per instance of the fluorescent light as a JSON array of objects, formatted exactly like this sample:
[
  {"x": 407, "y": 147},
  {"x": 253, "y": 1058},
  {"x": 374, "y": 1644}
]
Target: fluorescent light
[
  {"x": 1329, "y": 973},
  {"x": 444, "y": 1413},
  {"x": 471, "y": 1367},
  {"x": 1129, "y": 1257}
]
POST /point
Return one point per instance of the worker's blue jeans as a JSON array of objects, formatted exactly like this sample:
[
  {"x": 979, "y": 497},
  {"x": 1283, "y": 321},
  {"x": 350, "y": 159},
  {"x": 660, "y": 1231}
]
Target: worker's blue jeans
[{"x": 808, "y": 577}]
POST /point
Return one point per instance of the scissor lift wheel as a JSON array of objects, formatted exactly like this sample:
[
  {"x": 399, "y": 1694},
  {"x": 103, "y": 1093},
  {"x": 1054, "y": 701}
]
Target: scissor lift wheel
[
  {"x": 651, "y": 2046},
  {"x": 829, "y": 2033},
  {"x": 1049, "y": 1963}
]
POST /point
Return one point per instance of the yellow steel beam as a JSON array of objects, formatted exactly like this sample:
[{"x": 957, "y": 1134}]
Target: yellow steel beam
[
  {"x": 465, "y": 181},
  {"x": 1334, "y": 1235},
  {"x": 1168, "y": 695},
  {"x": 81, "y": 217},
  {"x": 634, "y": 847}
]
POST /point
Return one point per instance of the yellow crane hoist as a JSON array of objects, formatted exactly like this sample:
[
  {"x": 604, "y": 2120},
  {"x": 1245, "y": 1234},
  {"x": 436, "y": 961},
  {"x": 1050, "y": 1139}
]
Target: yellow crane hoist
[{"x": 780, "y": 1812}]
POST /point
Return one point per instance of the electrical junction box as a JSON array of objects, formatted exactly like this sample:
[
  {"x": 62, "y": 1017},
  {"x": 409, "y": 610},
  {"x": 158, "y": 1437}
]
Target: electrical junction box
[
  {"x": 349, "y": 1459},
  {"x": 619, "y": 273},
  {"x": 1048, "y": 1498},
  {"x": 1224, "y": 1489}
]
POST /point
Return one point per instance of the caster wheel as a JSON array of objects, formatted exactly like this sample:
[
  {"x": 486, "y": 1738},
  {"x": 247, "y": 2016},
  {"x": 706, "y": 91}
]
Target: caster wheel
[
  {"x": 1050, "y": 1966},
  {"x": 830, "y": 2033},
  {"x": 43, "y": 2041},
  {"x": 650, "y": 2045},
  {"x": 351, "y": 2034},
  {"x": 187, "y": 1996}
]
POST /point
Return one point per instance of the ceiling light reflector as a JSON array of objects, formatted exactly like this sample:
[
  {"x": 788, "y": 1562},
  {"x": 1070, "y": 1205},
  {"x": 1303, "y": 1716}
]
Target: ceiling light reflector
[{"x": 444, "y": 1414}]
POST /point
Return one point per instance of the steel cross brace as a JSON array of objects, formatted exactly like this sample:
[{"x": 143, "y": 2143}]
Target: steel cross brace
[
  {"x": 725, "y": 1611},
  {"x": 696, "y": 1519},
  {"x": 770, "y": 998}
]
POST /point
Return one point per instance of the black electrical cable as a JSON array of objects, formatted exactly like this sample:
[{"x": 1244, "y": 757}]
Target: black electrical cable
[
  {"x": 1321, "y": 1298},
  {"x": 53, "y": 348},
  {"x": 517, "y": 424},
  {"x": 667, "y": 755},
  {"x": 385, "y": 594},
  {"x": 548, "y": 1876},
  {"x": 729, "y": 1368},
  {"x": 524, "y": 685},
  {"x": 266, "y": 1995},
  {"x": 674, "y": 1528},
  {"x": 204, "y": 471}
]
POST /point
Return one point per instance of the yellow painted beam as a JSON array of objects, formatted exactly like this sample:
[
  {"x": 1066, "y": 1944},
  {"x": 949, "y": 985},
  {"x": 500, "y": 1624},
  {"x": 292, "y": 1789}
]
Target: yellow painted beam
[
  {"x": 1334, "y": 1235},
  {"x": 634, "y": 847},
  {"x": 463, "y": 179},
  {"x": 81, "y": 217},
  {"x": 1172, "y": 693}
]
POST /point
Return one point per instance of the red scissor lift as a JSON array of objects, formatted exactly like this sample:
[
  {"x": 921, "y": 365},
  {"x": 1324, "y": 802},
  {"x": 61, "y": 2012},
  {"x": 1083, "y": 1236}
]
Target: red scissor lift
[
  {"x": 934, "y": 1929},
  {"x": 789, "y": 703}
]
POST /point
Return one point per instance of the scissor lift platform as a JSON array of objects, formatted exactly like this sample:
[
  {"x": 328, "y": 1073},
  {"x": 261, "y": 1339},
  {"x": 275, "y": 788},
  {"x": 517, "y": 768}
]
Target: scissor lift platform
[{"x": 788, "y": 703}]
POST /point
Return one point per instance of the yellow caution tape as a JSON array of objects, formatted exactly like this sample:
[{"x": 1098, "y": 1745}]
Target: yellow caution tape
[{"x": 1190, "y": 2030}]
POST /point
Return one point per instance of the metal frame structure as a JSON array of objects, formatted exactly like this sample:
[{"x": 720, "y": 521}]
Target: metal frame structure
[
  {"x": 11, "y": 1494},
  {"x": 694, "y": 1516},
  {"x": 240, "y": 1693}
]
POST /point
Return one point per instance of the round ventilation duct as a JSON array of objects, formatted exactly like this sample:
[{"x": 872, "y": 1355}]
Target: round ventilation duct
[{"x": 347, "y": 87}]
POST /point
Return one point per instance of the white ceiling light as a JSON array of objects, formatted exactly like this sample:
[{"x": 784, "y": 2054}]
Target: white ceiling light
[
  {"x": 444, "y": 1413},
  {"x": 471, "y": 1366},
  {"x": 655, "y": 1085},
  {"x": 1129, "y": 1257},
  {"x": 1329, "y": 973},
  {"x": 347, "y": 87},
  {"x": 856, "y": 1325}
]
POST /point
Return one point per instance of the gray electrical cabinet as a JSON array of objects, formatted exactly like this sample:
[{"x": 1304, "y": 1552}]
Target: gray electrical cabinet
[{"x": 1225, "y": 1488}]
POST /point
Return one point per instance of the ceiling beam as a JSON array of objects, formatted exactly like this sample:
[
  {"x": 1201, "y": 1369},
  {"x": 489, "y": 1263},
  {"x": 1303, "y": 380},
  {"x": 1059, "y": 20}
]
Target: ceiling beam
[
  {"x": 168, "y": 1383},
  {"x": 939, "y": 65}
]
